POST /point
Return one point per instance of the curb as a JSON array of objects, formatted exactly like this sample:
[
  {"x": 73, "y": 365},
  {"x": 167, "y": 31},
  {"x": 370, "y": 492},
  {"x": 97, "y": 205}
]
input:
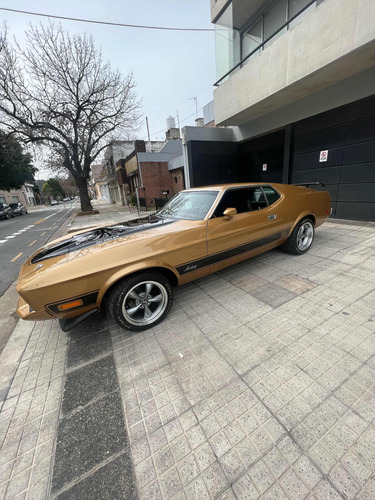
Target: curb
[{"x": 12, "y": 355}]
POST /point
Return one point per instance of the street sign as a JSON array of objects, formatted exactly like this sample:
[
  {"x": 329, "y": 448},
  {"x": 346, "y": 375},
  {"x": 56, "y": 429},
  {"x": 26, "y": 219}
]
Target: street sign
[{"x": 323, "y": 155}]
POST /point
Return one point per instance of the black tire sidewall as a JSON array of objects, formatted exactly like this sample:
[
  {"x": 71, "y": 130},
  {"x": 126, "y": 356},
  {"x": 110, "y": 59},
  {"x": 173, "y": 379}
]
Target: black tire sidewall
[{"x": 119, "y": 293}]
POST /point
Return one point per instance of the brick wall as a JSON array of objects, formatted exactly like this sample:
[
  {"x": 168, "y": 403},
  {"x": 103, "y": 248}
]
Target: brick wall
[
  {"x": 177, "y": 180},
  {"x": 157, "y": 178}
]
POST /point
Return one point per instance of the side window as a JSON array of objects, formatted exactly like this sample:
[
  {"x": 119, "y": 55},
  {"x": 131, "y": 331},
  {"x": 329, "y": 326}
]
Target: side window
[
  {"x": 271, "y": 194},
  {"x": 242, "y": 199},
  {"x": 258, "y": 201}
]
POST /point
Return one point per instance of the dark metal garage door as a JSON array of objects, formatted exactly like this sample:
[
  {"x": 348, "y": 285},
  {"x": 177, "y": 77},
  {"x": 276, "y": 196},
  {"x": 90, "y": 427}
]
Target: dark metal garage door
[{"x": 347, "y": 134}]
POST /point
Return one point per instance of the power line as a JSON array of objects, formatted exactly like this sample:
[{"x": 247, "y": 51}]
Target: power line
[{"x": 105, "y": 22}]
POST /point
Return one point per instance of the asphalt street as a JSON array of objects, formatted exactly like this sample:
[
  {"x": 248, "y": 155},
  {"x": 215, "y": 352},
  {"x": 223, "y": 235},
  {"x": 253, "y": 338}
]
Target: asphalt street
[{"x": 22, "y": 235}]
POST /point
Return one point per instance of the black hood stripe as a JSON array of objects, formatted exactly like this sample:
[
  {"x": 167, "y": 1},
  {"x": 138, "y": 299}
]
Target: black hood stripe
[{"x": 98, "y": 236}]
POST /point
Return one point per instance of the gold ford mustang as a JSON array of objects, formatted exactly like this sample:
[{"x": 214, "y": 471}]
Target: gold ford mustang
[{"x": 133, "y": 266}]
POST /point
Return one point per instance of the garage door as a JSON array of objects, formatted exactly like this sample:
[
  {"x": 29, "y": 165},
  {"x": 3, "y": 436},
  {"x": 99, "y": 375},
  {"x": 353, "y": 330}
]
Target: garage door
[{"x": 338, "y": 149}]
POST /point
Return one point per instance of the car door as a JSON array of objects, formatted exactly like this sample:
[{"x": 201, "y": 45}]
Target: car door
[{"x": 254, "y": 227}]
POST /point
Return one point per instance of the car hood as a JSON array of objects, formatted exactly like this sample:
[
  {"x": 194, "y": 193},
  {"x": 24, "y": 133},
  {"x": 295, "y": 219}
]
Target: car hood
[{"x": 98, "y": 236}]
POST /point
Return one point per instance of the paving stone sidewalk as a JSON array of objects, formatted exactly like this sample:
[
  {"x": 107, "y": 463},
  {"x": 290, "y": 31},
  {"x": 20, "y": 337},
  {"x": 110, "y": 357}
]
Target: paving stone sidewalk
[
  {"x": 260, "y": 384},
  {"x": 109, "y": 213}
]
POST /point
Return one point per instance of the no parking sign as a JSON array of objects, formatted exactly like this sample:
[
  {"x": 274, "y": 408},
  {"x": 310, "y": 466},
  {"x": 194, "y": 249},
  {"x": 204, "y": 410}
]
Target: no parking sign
[{"x": 323, "y": 155}]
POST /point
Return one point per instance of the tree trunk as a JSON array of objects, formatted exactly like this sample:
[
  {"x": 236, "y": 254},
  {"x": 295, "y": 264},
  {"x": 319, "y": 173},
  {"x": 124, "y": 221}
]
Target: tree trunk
[{"x": 84, "y": 194}]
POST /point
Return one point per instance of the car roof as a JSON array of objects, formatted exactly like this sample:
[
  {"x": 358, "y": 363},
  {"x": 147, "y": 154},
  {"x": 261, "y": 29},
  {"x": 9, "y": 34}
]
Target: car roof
[{"x": 222, "y": 187}]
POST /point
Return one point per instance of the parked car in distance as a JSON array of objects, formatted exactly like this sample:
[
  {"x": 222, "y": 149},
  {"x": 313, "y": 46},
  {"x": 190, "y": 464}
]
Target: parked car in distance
[
  {"x": 18, "y": 208},
  {"x": 66, "y": 199},
  {"x": 54, "y": 202},
  {"x": 5, "y": 211},
  {"x": 133, "y": 266}
]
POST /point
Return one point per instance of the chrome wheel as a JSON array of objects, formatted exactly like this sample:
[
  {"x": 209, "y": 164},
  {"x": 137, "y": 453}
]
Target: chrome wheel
[
  {"x": 305, "y": 236},
  {"x": 144, "y": 303}
]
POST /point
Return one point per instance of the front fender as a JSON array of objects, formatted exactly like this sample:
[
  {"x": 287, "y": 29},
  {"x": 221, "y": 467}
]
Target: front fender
[{"x": 131, "y": 269}]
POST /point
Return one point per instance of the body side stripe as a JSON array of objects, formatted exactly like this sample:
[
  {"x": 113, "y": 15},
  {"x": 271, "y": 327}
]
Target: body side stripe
[{"x": 227, "y": 254}]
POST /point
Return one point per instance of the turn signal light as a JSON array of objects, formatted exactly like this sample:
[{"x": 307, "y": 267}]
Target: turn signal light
[{"x": 70, "y": 305}]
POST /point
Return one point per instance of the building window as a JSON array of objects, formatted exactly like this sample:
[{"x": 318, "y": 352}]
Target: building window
[
  {"x": 296, "y": 6},
  {"x": 2, "y": 199},
  {"x": 252, "y": 38},
  {"x": 226, "y": 43},
  {"x": 234, "y": 43},
  {"x": 274, "y": 19},
  {"x": 15, "y": 199}
]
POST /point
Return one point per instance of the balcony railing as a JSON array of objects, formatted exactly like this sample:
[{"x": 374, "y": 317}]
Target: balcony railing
[{"x": 261, "y": 45}]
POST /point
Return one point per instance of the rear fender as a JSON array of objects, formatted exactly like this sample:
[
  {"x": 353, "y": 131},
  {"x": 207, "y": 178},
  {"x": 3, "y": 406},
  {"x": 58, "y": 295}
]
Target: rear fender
[{"x": 301, "y": 216}]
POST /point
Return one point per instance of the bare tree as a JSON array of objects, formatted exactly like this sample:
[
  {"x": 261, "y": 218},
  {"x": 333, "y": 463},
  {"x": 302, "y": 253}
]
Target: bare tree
[{"x": 57, "y": 91}]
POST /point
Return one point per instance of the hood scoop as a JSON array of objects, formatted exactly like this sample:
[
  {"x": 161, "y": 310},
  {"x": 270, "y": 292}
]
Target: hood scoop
[{"x": 96, "y": 236}]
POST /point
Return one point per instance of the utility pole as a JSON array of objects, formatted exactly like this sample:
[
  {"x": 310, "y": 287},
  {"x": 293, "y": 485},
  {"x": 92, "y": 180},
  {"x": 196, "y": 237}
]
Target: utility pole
[
  {"x": 196, "y": 105},
  {"x": 148, "y": 130}
]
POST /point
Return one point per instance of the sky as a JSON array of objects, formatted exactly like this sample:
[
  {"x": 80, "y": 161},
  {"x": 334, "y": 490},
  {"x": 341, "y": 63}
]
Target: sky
[{"x": 169, "y": 67}]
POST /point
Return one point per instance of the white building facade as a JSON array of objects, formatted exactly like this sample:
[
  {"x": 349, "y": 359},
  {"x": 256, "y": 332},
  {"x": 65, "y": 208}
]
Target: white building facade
[{"x": 25, "y": 195}]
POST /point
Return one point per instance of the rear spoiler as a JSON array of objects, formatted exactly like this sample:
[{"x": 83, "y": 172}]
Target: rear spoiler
[{"x": 307, "y": 184}]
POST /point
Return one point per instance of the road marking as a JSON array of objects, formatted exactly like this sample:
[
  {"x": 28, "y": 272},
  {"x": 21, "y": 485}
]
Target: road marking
[
  {"x": 43, "y": 233},
  {"x": 17, "y": 233},
  {"x": 3, "y": 241},
  {"x": 39, "y": 221},
  {"x": 33, "y": 243},
  {"x": 22, "y": 230},
  {"x": 16, "y": 257},
  {"x": 9, "y": 237}
]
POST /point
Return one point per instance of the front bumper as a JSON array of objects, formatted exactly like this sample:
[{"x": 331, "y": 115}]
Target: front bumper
[{"x": 24, "y": 311}]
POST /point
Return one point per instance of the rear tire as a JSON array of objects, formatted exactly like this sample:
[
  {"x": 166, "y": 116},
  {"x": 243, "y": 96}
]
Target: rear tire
[
  {"x": 141, "y": 301},
  {"x": 301, "y": 238}
]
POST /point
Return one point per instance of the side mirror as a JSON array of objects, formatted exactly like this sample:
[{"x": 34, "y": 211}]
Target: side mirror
[{"x": 229, "y": 212}]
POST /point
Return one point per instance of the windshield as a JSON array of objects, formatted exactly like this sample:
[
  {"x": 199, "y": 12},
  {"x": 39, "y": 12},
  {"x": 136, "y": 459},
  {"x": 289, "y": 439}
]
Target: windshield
[{"x": 189, "y": 205}]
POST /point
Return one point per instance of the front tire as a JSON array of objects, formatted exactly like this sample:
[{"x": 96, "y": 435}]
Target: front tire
[
  {"x": 301, "y": 238},
  {"x": 141, "y": 301}
]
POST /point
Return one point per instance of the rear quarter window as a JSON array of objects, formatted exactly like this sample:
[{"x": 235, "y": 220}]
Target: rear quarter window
[{"x": 271, "y": 195}]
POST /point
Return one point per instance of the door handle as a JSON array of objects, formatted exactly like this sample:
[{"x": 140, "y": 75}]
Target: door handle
[{"x": 272, "y": 217}]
